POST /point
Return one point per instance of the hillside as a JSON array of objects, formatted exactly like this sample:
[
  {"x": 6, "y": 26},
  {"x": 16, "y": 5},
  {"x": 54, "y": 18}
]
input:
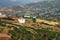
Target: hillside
[
  {"x": 29, "y": 30},
  {"x": 47, "y": 9},
  {"x": 46, "y": 4}
]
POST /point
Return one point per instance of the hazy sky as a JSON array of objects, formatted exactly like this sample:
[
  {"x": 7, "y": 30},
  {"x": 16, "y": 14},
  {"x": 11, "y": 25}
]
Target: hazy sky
[
  {"x": 29, "y": 0},
  {"x": 16, "y": 2},
  {"x": 23, "y": 1}
]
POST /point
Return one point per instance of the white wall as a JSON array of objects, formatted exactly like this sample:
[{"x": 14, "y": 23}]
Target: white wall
[{"x": 21, "y": 20}]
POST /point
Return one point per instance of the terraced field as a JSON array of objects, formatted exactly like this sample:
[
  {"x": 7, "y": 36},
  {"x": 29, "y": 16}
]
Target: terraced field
[{"x": 29, "y": 31}]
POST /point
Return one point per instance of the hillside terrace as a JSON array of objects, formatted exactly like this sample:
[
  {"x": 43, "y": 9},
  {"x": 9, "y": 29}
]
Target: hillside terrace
[{"x": 30, "y": 23}]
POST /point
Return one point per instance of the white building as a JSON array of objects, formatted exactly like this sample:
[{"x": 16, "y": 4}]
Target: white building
[
  {"x": 27, "y": 16},
  {"x": 22, "y": 20},
  {"x": 2, "y": 15}
]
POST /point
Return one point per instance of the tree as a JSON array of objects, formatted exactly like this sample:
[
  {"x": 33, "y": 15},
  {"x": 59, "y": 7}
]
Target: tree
[{"x": 34, "y": 20}]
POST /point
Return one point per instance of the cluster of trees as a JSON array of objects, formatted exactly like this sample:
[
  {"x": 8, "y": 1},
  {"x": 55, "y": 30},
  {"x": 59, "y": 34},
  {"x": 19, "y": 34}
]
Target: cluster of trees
[{"x": 8, "y": 18}]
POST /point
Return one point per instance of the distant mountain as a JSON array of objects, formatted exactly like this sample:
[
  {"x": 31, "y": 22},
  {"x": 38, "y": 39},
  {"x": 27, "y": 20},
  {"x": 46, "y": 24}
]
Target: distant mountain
[
  {"x": 45, "y": 4},
  {"x": 45, "y": 8},
  {"x": 49, "y": 9}
]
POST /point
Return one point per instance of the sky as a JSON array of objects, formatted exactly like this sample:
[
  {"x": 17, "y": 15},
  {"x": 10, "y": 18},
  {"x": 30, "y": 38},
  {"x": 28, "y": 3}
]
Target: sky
[
  {"x": 17, "y": 2},
  {"x": 22, "y": 1},
  {"x": 28, "y": 0}
]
